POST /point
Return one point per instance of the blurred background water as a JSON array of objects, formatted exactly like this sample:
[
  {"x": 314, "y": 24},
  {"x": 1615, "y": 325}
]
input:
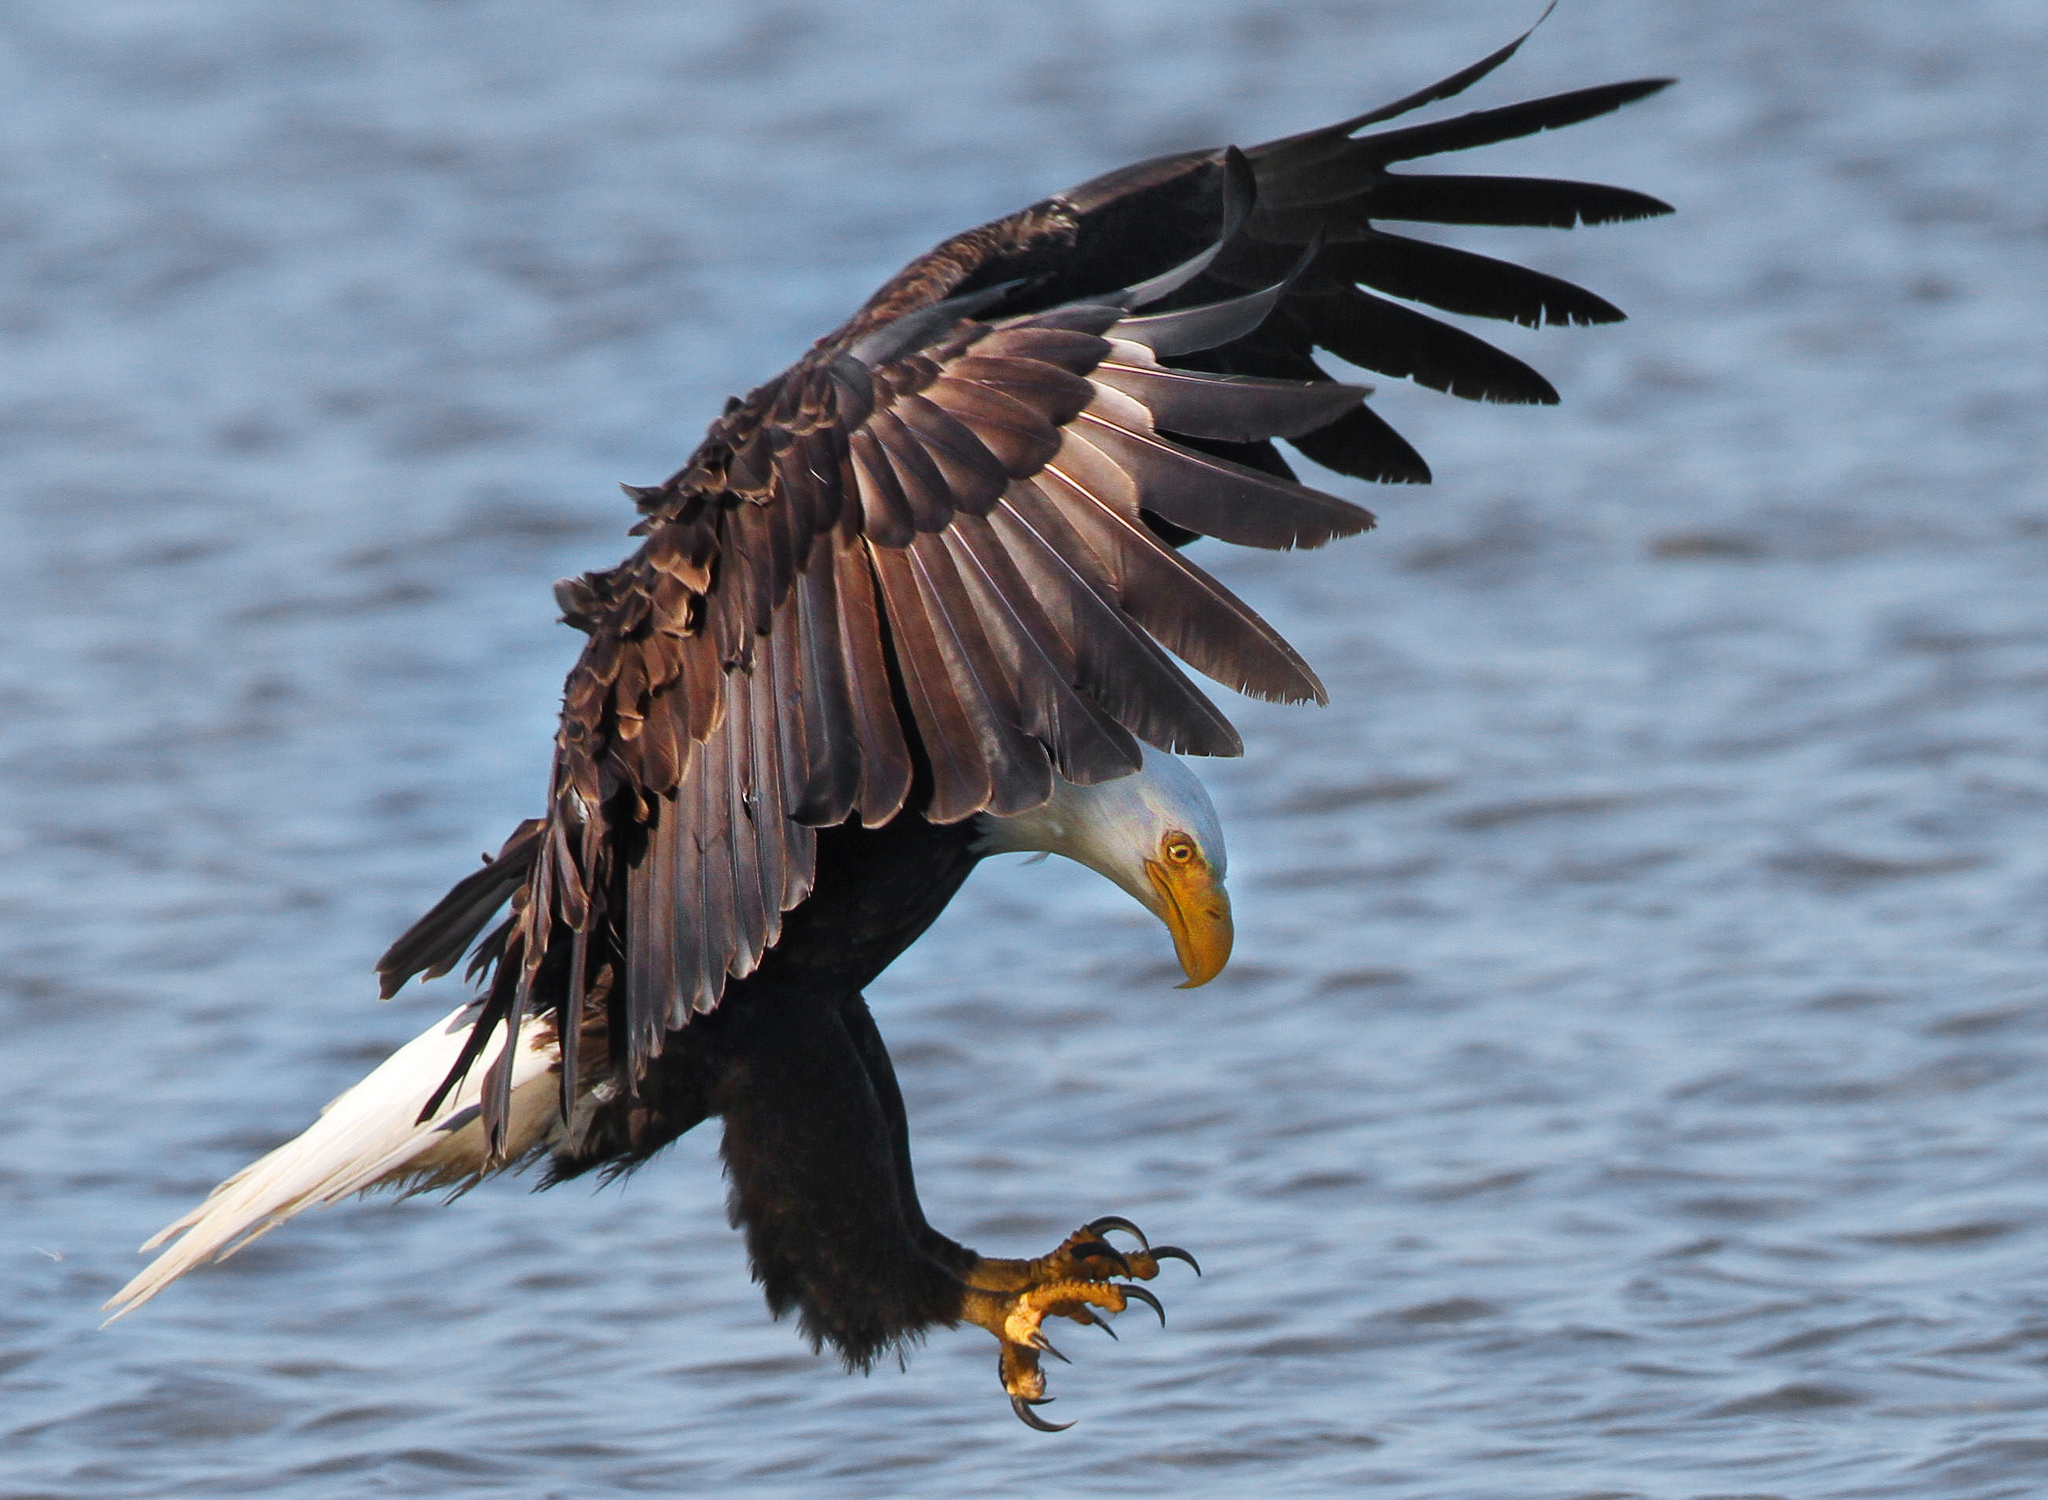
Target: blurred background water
[{"x": 1631, "y": 1078}]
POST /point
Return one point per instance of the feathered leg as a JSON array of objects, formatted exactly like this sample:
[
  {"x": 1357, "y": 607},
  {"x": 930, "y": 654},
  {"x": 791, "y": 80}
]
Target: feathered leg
[
  {"x": 833, "y": 1230},
  {"x": 874, "y": 1057},
  {"x": 1010, "y": 1298}
]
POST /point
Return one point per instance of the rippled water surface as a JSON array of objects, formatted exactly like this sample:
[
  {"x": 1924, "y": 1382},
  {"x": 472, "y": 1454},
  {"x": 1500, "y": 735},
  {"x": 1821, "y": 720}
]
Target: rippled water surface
[{"x": 1631, "y": 1078}]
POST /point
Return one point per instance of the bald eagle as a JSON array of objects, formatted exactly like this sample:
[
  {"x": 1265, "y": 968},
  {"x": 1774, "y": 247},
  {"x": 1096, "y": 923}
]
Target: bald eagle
[{"x": 911, "y": 603}]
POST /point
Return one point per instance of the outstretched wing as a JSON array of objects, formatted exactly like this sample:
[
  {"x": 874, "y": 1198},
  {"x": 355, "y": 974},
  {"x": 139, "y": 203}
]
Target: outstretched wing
[{"x": 938, "y": 552}]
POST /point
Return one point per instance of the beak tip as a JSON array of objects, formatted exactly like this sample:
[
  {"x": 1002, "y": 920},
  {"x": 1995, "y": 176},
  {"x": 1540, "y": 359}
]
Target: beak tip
[
  {"x": 1203, "y": 961},
  {"x": 1199, "y": 919}
]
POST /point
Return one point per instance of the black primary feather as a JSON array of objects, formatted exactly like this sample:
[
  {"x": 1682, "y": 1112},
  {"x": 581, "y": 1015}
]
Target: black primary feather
[
  {"x": 902, "y": 584},
  {"x": 934, "y": 561}
]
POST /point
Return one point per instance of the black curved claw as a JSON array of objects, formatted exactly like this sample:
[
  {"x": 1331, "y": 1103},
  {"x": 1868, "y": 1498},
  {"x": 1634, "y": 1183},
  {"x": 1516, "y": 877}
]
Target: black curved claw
[
  {"x": 1102, "y": 1226},
  {"x": 1103, "y": 1248},
  {"x": 1031, "y": 1418},
  {"x": 1040, "y": 1341},
  {"x": 1174, "y": 1252},
  {"x": 1103, "y": 1324},
  {"x": 1144, "y": 1296}
]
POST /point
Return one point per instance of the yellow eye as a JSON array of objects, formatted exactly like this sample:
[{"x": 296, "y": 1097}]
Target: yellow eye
[{"x": 1180, "y": 851}]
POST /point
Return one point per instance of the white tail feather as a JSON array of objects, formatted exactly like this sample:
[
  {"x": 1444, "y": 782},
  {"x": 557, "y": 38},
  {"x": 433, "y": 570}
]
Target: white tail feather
[{"x": 369, "y": 1137}]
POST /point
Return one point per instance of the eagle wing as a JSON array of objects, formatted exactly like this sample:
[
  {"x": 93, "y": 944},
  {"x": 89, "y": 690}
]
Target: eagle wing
[{"x": 934, "y": 562}]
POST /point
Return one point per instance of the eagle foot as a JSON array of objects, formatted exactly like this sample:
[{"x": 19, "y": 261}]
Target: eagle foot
[{"x": 1013, "y": 1298}]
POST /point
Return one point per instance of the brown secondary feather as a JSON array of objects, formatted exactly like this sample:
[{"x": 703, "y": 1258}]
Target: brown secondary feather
[{"x": 937, "y": 552}]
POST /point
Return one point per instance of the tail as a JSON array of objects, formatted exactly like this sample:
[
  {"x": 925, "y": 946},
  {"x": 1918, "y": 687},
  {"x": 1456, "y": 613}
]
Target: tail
[{"x": 370, "y": 1137}]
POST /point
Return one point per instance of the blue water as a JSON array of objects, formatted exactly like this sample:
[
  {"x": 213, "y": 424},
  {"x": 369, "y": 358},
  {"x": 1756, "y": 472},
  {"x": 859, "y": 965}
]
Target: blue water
[{"x": 1631, "y": 1078}]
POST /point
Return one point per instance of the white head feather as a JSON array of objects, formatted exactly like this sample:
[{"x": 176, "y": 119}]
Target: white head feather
[{"x": 1113, "y": 827}]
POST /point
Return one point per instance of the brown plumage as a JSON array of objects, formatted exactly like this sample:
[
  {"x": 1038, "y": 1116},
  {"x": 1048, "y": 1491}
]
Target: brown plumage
[
  {"x": 916, "y": 600},
  {"x": 932, "y": 564}
]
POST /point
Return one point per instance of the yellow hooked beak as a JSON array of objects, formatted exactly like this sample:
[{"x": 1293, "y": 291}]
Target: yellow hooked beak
[{"x": 1194, "y": 906}]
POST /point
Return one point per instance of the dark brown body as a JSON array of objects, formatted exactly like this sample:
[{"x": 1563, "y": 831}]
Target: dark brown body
[
  {"x": 909, "y": 582},
  {"x": 816, "y": 1144}
]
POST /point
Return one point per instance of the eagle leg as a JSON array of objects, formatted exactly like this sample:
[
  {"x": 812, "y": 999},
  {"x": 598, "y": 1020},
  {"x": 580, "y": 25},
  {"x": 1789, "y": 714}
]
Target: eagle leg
[
  {"x": 1013, "y": 1298},
  {"x": 1083, "y": 1256},
  {"x": 817, "y": 1148}
]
